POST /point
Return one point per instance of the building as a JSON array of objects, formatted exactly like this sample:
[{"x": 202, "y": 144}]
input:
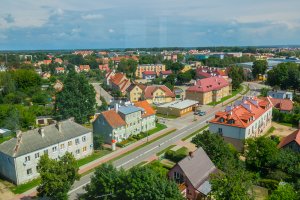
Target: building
[
  {"x": 122, "y": 122},
  {"x": 44, "y": 120},
  {"x": 58, "y": 60},
  {"x": 284, "y": 105},
  {"x": 104, "y": 67},
  {"x": 165, "y": 74},
  {"x": 84, "y": 68},
  {"x": 206, "y": 72},
  {"x": 292, "y": 141},
  {"x": 157, "y": 68},
  {"x": 177, "y": 108},
  {"x": 58, "y": 86},
  {"x": 59, "y": 70},
  {"x": 119, "y": 82},
  {"x": 186, "y": 68},
  {"x": 209, "y": 90},
  {"x": 149, "y": 75},
  {"x": 154, "y": 94},
  {"x": 19, "y": 156},
  {"x": 47, "y": 62},
  {"x": 249, "y": 117},
  {"x": 281, "y": 94},
  {"x": 192, "y": 174}
]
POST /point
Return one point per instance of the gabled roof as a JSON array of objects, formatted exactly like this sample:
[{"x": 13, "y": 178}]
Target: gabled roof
[
  {"x": 148, "y": 110},
  {"x": 197, "y": 167},
  {"x": 295, "y": 136},
  {"x": 129, "y": 109},
  {"x": 243, "y": 113},
  {"x": 113, "y": 118},
  {"x": 32, "y": 140},
  {"x": 152, "y": 88},
  {"x": 83, "y": 67},
  {"x": 149, "y": 73},
  {"x": 209, "y": 84},
  {"x": 117, "y": 78},
  {"x": 168, "y": 72},
  {"x": 59, "y": 69},
  {"x": 282, "y": 104}
]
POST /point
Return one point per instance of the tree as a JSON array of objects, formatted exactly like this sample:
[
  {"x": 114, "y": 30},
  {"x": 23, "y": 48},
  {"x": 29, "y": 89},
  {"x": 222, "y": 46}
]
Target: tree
[
  {"x": 215, "y": 147},
  {"x": 77, "y": 99},
  {"x": 264, "y": 91},
  {"x": 137, "y": 183},
  {"x": 260, "y": 153},
  {"x": 98, "y": 142},
  {"x": 235, "y": 184},
  {"x": 284, "y": 192},
  {"x": 237, "y": 75},
  {"x": 259, "y": 67},
  {"x": 57, "y": 177},
  {"x": 184, "y": 77}
]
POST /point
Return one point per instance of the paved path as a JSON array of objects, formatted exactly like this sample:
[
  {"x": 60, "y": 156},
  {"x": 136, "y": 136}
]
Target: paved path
[{"x": 101, "y": 92}]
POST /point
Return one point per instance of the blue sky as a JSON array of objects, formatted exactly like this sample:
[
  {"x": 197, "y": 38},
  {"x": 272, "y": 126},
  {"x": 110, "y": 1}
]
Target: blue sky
[{"x": 72, "y": 24}]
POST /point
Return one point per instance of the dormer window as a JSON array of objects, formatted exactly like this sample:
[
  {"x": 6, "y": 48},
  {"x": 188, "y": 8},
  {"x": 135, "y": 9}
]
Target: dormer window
[
  {"x": 231, "y": 121},
  {"x": 221, "y": 120}
]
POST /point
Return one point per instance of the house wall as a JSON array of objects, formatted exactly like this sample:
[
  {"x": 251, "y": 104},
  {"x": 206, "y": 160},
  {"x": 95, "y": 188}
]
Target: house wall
[
  {"x": 133, "y": 121},
  {"x": 7, "y": 167},
  {"x": 148, "y": 123},
  {"x": 174, "y": 111},
  {"x": 152, "y": 67},
  {"x": 159, "y": 96},
  {"x": 135, "y": 94},
  {"x": 79, "y": 150}
]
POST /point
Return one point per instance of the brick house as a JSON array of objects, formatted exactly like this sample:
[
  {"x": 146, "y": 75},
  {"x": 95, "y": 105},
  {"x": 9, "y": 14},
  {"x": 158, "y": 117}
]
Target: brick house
[
  {"x": 192, "y": 175},
  {"x": 292, "y": 141}
]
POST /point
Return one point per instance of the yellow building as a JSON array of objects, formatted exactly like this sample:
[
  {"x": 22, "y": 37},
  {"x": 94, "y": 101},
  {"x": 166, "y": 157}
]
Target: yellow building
[
  {"x": 157, "y": 68},
  {"x": 186, "y": 68},
  {"x": 177, "y": 108}
]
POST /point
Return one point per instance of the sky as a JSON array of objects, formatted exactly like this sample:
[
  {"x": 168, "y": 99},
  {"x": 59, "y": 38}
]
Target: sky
[{"x": 99, "y": 24}]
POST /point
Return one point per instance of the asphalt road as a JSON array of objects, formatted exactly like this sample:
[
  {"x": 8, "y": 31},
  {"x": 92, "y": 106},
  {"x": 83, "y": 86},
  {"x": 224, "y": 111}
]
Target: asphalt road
[{"x": 138, "y": 156}]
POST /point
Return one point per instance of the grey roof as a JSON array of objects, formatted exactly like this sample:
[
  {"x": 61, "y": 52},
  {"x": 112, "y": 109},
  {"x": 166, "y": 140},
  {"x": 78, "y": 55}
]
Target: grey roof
[
  {"x": 179, "y": 104},
  {"x": 205, "y": 188},
  {"x": 197, "y": 167},
  {"x": 33, "y": 141},
  {"x": 129, "y": 109}
]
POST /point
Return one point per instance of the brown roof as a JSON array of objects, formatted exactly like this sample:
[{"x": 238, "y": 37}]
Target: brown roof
[
  {"x": 295, "y": 136},
  {"x": 282, "y": 104},
  {"x": 209, "y": 84},
  {"x": 117, "y": 78},
  {"x": 113, "y": 118},
  {"x": 147, "y": 108},
  {"x": 152, "y": 88}
]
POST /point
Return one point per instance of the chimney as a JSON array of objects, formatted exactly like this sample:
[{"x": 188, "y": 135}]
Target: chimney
[
  {"x": 42, "y": 132},
  {"x": 58, "y": 126},
  {"x": 191, "y": 154},
  {"x": 18, "y": 133}
]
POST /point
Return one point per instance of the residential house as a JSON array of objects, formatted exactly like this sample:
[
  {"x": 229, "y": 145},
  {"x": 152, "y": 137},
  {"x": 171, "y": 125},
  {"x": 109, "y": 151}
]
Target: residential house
[
  {"x": 186, "y": 68},
  {"x": 279, "y": 94},
  {"x": 206, "y": 72},
  {"x": 19, "y": 156},
  {"x": 157, "y": 68},
  {"x": 108, "y": 76},
  {"x": 149, "y": 75},
  {"x": 58, "y": 86},
  {"x": 292, "y": 141},
  {"x": 156, "y": 94},
  {"x": 59, "y": 70},
  {"x": 122, "y": 122},
  {"x": 47, "y": 62},
  {"x": 284, "y": 105},
  {"x": 84, "y": 68},
  {"x": 58, "y": 60},
  {"x": 104, "y": 67},
  {"x": 249, "y": 117},
  {"x": 177, "y": 108},
  {"x": 83, "y": 53},
  {"x": 209, "y": 90},
  {"x": 165, "y": 74},
  {"x": 119, "y": 82},
  {"x": 46, "y": 75},
  {"x": 192, "y": 174}
]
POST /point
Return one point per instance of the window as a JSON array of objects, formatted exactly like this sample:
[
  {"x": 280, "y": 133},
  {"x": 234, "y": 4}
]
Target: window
[
  {"x": 70, "y": 143},
  {"x": 27, "y": 158},
  {"x": 29, "y": 171},
  {"x": 220, "y": 131},
  {"x": 77, "y": 151},
  {"x": 76, "y": 141},
  {"x": 83, "y": 139},
  {"x": 62, "y": 146},
  {"x": 54, "y": 149},
  {"x": 84, "y": 149},
  {"x": 46, "y": 151},
  {"x": 37, "y": 155}
]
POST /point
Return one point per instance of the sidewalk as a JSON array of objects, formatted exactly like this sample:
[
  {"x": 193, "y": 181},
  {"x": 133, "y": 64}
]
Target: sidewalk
[{"x": 85, "y": 168}]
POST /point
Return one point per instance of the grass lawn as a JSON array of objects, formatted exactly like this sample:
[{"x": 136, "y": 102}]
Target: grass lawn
[
  {"x": 194, "y": 133},
  {"x": 26, "y": 186},
  {"x": 285, "y": 124},
  {"x": 166, "y": 116},
  {"x": 94, "y": 156},
  {"x": 165, "y": 150},
  {"x": 234, "y": 93},
  {"x": 159, "y": 127},
  {"x": 182, "y": 150},
  {"x": 271, "y": 130}
]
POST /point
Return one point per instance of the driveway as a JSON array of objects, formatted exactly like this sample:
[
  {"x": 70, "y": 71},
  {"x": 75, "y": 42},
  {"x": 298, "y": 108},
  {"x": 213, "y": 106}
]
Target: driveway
[{"x": 101, "y": 92}]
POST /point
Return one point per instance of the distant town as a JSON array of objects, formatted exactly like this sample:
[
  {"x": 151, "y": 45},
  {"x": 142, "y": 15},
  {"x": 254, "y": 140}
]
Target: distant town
[{"x": 150, "y": 123}]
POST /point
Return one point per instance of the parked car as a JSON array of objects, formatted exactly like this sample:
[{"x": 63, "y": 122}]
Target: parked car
[{"x": 200, "y": 113}]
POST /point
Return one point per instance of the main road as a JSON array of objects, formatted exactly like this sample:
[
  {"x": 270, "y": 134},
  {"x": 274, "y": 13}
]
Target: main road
[{"x": 138, "y": 156}]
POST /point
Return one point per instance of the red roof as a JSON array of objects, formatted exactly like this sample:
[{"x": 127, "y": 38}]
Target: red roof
[
  {"x": 209, "y": 84},
  {"x": 168, "y": 72},
  {"x": 282, "y": 104},
  {"x": 113, "y": 118},
  {"x": 117, "y": 78},
  {"x": 149, "y": 73},
  {"x": 104, "y": 67},
  {"x": 147, "y": 108},
  {"x": 58, "y": 60},
  {"x": 243, "y": 114},
  {"x": 152, "y": 88},
  {"x": 83, "y": 67},
  {"x": 204, "y": 74},
  {"x": 46, "y": 62},
  {"x": 60, "y": 69},
  {"x": 295, "y": 136}
]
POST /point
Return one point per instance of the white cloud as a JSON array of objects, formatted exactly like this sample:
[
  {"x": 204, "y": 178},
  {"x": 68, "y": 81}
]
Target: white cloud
[
  {"x": 111, "y": 30},
  {"x": 92, "y": 16}
]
